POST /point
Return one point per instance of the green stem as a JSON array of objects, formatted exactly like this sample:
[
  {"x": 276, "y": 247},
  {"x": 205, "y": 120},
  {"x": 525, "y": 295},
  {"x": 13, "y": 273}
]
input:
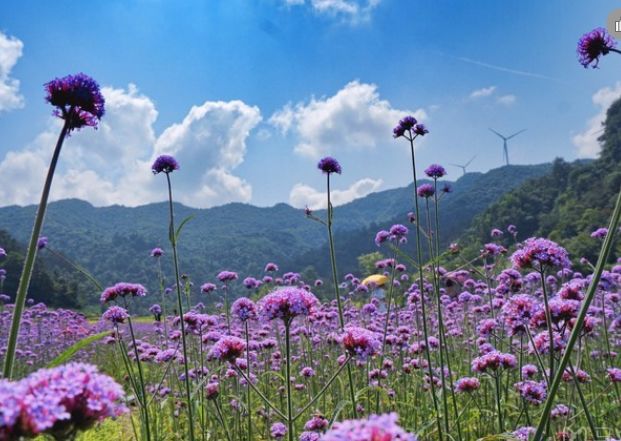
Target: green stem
[
  {"x": 288, "y": 381},
  {"x": 322, "y": 391},
  {"x": 337, "y": 294},
  {"x": 575, "y": 333},
  {"x": 501, "y": 425},
  {"x": 421, "y": 283},
  {"x": 173, "y": 242},
  {"x": 267, "y": 402},
  {"x": 248, "y": 397},
  {"x": 143, "y": 391},
  {"x": 31, "y": 255}
]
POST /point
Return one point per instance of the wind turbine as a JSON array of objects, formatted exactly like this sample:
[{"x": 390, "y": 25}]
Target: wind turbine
[
  {"x": 463, "y": 167},
  {"x": 504, "y": 142}
]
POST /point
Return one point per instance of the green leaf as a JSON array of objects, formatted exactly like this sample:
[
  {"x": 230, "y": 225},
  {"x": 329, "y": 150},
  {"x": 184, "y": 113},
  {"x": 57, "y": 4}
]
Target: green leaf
[
  {"x": 182, "y": 224},
  {"x": 66, "y": 355}
]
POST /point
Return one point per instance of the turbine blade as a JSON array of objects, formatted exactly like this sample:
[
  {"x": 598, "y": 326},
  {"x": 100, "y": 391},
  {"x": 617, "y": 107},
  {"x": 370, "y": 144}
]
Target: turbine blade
[
  {"x": 516, "y": 134},
  {"x": 471, "y": 159},
  {"x": 494, "y": 131}
]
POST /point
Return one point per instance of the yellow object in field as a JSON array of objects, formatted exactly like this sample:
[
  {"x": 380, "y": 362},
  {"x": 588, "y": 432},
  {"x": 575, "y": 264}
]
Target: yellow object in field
[{"x": 377, "y": 279}]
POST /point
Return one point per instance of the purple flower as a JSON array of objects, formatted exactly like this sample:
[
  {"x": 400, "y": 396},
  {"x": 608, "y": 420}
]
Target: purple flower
[
  {"x": 493, "y": 361},
  {"x": 317, "y": 423},
  {"x": 206, "y": 288},
  {"x": 398, "y": 231},
  {"x": 42, "y": 242},
  {"x": 360, "y": 343},
  {"x": 287, "y": 303},
  {"x": 381, "y": 237},
  {"x": 227, "y": 348},
  {"x": 227, "y": 276},
  {"x": 157, "y": 252},
  {"x": 539, "y": 253},
  {"x": 329, "y": 165},
  {"x": 77, "y": 99},
  {"x": 271, "y": 267},
  {"x": 532, "y": 391},
  {"x": 244, "y": 309},
  {"x": 600, "y": 233},
  {"x": 435, "y": 171},
  {"x": 115, "y": 315},
  {"x": 376, "y": 427},
  {"x": 2, "y": 253},
  {"x": 58, "y": 400},
  {"x": 467, "y": 384},
  {"x": 425, "y": 190},
  {"x": 406, "y": 124},
  {"x": 614, "y": 375},
  {"x": 594, "y": 44},
  {"x": 164, "y": 163},
  {"x": 251, "y": 283},
  {"x": 524, "y": 433},
  {"x": 420, "y": 129},
  {"x": 278, "y": 430},
  {"x": 123, "y": 289}
]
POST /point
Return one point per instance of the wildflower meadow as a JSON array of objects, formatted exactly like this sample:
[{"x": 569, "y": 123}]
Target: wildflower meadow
[{"x": 513, "y": 344}]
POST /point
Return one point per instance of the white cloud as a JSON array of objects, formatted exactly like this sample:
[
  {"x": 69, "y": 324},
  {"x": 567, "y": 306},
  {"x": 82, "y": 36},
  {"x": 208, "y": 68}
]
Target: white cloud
[
  {"x": 586, "y": 141},
  {"x": 10, "y": 52},
  {"x": 302, "y": 195},
  {"x": 506, "y": 100},
  {"x": 112, "y": 164},
  {"x": 353, "y": 119},
  {"x": 354, "y": 11},
  {"x": 483, "y": 92}
]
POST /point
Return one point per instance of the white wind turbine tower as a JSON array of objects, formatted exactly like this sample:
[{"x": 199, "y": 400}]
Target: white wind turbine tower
[
  {"x": 504, "y": 142},
  {"x": 463, "y": 167}
]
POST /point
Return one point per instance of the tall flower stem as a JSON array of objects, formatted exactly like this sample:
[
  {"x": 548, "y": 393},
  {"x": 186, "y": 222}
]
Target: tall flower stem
[
  {"x": 421, "y": 283},
  {"x": 549, "y": 322},
  {"x": 31, "y": 255},
  {"x": 436, "y": 292},
  {"x": 350, "y": 376},
  {"x": 288, "y": 381},
  {"x": 173, "y": 243},
  {"x": 143, "y": 391},
  {"x": 443, "y": 343},
  {"x": 501, "y": 425},
  {"x": 575, "y": 333},
  {"x": 248, "y": 397}
]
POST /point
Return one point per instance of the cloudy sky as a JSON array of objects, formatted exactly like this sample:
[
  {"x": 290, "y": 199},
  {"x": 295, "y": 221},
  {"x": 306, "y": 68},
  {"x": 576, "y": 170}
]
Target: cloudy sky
[{"x": 249, "y": 94}]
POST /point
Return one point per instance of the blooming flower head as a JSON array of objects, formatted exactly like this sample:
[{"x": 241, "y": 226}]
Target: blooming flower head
[
  {"x": 271, "y": 267},
  {"x": 600, "y": 233},
  {"x": 398, "y": 232},
  {"x": 228, "y": 348},
  {"x": 593, "y": 45},
  {"x": 375, "y": 428},
  {"x": 42, "y": 242},
  {"x": 360, "y": 343},
  {"x": 77, "y": 99},
  {"x": 244, "y": 309},
  {"x": 425, "y": 191},
  {"x": 206, "y": 288},
  {"x": 57, "y": 401},
  {"x": 329, "y": 165},
  {"x": 278, "y": 430},
  {"x": 115, "y": 315},
  {"x": 227, "y": 276},
  {"x": 287, "y": 303},
  {"x": 157, "y": 252},
  {"x": 435, "y": 171},
  {"x": 493, "y": 361},
  {"x": 123, "y": 289},
  {"x": 467, "y": 384},
  {"x": 164, "y": 164},
  {"x": 539, "y": 253},
  {"x": 420, "y": 129},
  {"x": 532, "y": 391},
  {"x": 405, "y": 124}
]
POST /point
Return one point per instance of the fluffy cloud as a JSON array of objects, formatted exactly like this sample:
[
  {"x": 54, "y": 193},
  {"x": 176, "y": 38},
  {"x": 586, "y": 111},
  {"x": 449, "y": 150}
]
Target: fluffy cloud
[
  {"x": 586, "y": 141},
  {"x": 112, "y": 164},
  {"x": 352, "y": 10},
  {"x": 353, "y": 119},
  {"x": 302, "y": 195},
  {"x": 480, "y": 93},
  {"x": 10, "y": 52},
  {"x": 506, "y": 100}
]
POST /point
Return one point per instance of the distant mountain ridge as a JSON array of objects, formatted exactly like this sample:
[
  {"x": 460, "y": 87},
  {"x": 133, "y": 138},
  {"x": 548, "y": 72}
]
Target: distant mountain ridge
[{"x": 114, "y": 242}]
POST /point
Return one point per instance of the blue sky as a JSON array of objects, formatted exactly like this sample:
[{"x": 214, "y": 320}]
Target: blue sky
[{"x": 278, "y": 83}]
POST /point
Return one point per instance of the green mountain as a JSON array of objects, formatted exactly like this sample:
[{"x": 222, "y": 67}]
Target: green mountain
[
  {"x": 114, "y": 242},
  {"x": 567, "y": 204}
]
